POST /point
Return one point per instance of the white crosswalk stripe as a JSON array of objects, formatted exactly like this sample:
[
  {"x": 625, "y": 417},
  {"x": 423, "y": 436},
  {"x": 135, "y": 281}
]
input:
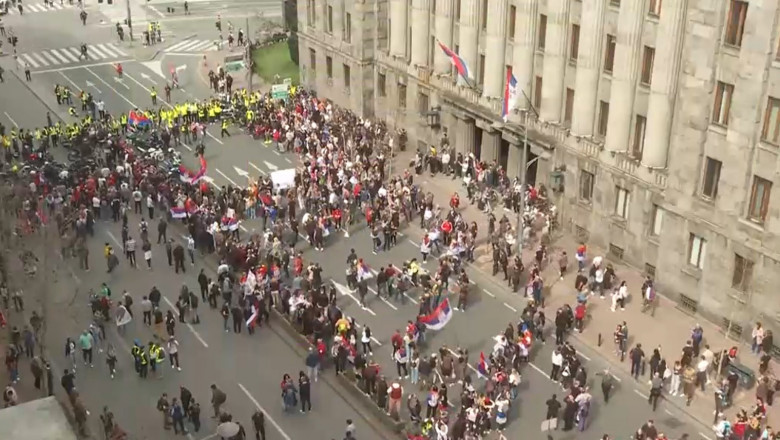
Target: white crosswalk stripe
[
  {"x": 34, "y": 8},
  {"x": 193, "y": 45},
  {"x": 69, "y": 55}
]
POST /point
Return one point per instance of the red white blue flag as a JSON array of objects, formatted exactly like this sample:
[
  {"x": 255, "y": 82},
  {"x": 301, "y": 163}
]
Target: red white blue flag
[
  {"x": 457, "y": 61},
  {"x": 510, "y": 95},
  {"x": 439, "y": 317},
  {"x": 482, "y": 366}
]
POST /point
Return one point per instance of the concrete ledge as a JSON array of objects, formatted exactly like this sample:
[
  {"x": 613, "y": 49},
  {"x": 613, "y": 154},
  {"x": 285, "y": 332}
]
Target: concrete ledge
[{"x": 346, "y": 381}]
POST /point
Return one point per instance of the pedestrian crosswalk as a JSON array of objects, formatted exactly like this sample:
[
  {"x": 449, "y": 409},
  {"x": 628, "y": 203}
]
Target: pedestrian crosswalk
[
  {"x": 39, "y": 7},
  {"x": 194, "y": 45},
  {"x": 56, "y": 57}
]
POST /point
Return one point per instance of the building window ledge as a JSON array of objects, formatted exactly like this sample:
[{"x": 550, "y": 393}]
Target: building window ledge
[
  {"x": 768, "y": 146},
  {"x": 731, "y": 49},
  {"x": 717, "y": 128},
  {"x": 752, "y": 224},
  {"x": 585, "y": 204},
  {"x": 653, "y": 239},
  {"x": 573, "y": 62},
  {"x": 693, "y": 272},
  {"x": 776, "y": 63},
  {"x": 618, "y": 221}
]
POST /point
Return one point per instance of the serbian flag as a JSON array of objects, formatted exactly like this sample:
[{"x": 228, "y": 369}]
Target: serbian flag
[
  {"x": 482, "y": 366},
  {"x": 510, "y": 95},
  {"x": 189, "y": 208},
  {"x": 457, "y": 61},
  {"x": 228, "y": 224},
  {"x": 250, "y": 323},
  {"x": 188, "y": 176},
  {"x": 439, "y": 317},
  {"x": 363, "y": 270},
  {"x": 138, "y": 119}
]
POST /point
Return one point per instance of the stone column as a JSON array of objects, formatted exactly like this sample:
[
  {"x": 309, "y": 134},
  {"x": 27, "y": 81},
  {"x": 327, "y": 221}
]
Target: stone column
[
  {"x": 589, "y": 58},
  {"x": 398, "y": 27},
  {"x": 495, "y": 48},
  {"x": 421, "y": 22},
  {"x": 523, "y": 57},
  {"x": 491, "y": 142},
  {"x": 554, "y": 60},
  {"x": 465, "y": 142},
  {"x": 469, "y": 34},
  {"x": 627, "y": 53},
  {"x": 513, "y": 163},
  {"x": 663, "y": 86},
  {"x": 444, "y": 18}
]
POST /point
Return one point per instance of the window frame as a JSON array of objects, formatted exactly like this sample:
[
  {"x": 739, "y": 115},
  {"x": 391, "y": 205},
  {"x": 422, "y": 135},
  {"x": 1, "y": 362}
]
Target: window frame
[
  {"x": 538, "y": 82},
  {"x": 568, "y": 107},
  {"x": 711, "y": 179},
  {"x": 772, "y": 106},
  {"x": 721, "y": 108},
  {"x": 586, "y": 185},
  {"x": 313, "y": 60},
  {"x": 657, "y": 221},
  {"x": 329, "y": 19},
  {"x": 329, "y": 67},
  {"x": 347, "y": 33},
  {"x": 603, "y": 119},
  {"x": 742, "y": 274},
  {"x": 541, "y": 33},
  {"x": 654, "y": 8},
  {"x": 640, "y": 129},
  {"x": 609, "y": 53},
  {"x": 512, "y": 21},
  {"x": 423, "y": 98},
  {"x": 622, "y": 202},
  {"x": 734, "y": 28},
  {"x": 381, "y": 85},
  {"x": 574, "y": 42},
  {"x": 347, "y": 71},
  {"x": 699, "y": 245},
  {"x": 648, "y": 62},
  {"x": 758, "y": 204},
  {"x": 402, "y": 96}
]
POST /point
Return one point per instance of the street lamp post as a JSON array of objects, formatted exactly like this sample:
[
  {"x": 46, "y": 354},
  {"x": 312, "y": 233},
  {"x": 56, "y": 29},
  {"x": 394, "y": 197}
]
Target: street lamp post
[{"x": 129, "y": 20}]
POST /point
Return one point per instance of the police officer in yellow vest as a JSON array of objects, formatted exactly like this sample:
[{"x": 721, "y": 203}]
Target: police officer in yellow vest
[
  {"x": 224, "y": 129},
  {"x": 144, "y": 362}
]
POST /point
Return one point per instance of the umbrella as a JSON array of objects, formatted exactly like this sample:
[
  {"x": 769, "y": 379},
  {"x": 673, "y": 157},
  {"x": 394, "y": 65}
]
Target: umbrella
[{"x": 227, "y": 429}]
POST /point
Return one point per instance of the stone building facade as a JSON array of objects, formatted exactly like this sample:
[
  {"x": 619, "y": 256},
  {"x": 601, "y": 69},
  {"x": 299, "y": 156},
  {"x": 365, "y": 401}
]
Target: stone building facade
[{"x": 658, "y": 121}]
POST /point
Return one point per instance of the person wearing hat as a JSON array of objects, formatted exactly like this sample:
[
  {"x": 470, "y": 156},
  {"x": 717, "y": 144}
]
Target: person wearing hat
[{"x": 395, "y": 394}]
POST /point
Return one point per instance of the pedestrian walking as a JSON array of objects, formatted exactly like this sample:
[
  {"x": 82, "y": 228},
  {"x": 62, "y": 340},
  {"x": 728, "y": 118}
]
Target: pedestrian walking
[
  {"x": 258, "y": 421},
  {"x": 218, "y": 398},
  {"x": 304, "y": 388},
  {"x": 173, "y": 352},
  {"x": 86, "y": 341}
]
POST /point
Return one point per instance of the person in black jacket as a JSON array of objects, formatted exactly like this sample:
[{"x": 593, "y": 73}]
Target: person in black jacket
[
  {"x": 258, "y": 420},
  {"x": 304, "y": 389}
]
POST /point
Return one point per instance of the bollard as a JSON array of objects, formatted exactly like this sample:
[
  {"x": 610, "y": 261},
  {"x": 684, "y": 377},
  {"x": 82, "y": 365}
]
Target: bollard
[{"x": 600, "y": 341}]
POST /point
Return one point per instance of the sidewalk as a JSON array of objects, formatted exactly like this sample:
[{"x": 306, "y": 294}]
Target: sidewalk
[{"x": 668, "y": 329}]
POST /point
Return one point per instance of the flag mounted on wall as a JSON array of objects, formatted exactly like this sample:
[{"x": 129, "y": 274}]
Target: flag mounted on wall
[
  {"x": 458, "y": 62},
  {"x": 510, "y": 95}
]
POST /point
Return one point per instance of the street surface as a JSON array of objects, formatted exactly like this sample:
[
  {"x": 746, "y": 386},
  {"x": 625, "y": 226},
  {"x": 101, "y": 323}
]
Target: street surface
[{"x": 249, "y": 368}]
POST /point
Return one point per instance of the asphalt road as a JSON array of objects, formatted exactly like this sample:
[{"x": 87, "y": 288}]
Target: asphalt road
[{"x": 486, "y": 316}]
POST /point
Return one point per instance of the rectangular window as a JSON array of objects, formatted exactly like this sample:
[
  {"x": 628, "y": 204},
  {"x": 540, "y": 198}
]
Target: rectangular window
[
  {"x": 347, "y": 76},
  {"x": 658, "y": 221},
  {"x": 329, "y": 28},
  {"x": 655, "y": 8},
  {"x": 381, "y": 84},
  {"x": 587, "y": 181},
  {"x": 569, "y": 109},
  {"x": 711, "y": 177},
  {"x": 512, "y": 21},
  {"x": 603, "y": 118},
  {"x": 422, "y": 103},
  {"x": 574, "y": 44},
  {"x": 722, "y": 106},
  {"x": 735, "y": 22},
  {"x": 481, "y": 70},
  {"x": 329, "y": 67},
  {"x": 313, "y": 60},
  {"x": 348, "y": 27},
  {"x": 697, "y": 249},
  {"x": 647, "y": 65},
  {"x": 484, "y": 14},
  {"x": 538, "y": 92},
  {"x": 639, "y": 137},
  {"x": 457, "y": 10},
  {"x": 771, "y": 131},
  {"x": 402, "y": 95},
  {"x": 542, "y": 33},
  {"x": 311, "y": 13},
  {"x": 622, "y": 202},
  {"x": 743, "y": 273},
  {"x": 609, "y": 54},
  {"x": 759, "y": 199}
]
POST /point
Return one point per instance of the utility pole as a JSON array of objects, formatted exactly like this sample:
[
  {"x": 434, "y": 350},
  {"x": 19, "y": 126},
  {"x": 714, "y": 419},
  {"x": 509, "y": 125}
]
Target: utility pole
[
  {"x": 523, "y": 168},
  {"x": 129, "y": 20},
  {"x": 248, "y": 57}
]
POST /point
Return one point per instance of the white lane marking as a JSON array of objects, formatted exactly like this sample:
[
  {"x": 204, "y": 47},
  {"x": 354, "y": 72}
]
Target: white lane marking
[
  {"x": 668, "y": 412},
  {"x": 410, "y": 298},
  {"x": 59, "y": 56},
  {"x": 156, "y": 11},
  {"x": 471, "y": 367},
  {"x": 584, "y": 356},
  {"x": 257, "y": 168},
  {"x": 704, "y": 436},
  {"x": 82, "y": 66},
  {"x": 96, "y": 50},
  {"x": 76, "y": 86},
  {"x": 219, "y": 141},
  {"x": 109, "y": 86},
  {"x": 288, "y": 160},
  {"x": 382, "y": 298},
  {"x": 413, "y": 243},
  {"x": 644, "y": 396},
  {"x": 226, "y": 177},
  {"x": 49, "y": 57},
  {"x": 539, "y": 370},
  {"x": 28, "y": 60},
  {"x": 177, "y": 46},
  {"x": 373, "y": 339},
  {"x": 488, "y": 293},
  {"x": 11, "y": 119},
  {"x": 202, "y": 46},
  {"x": 107, "y": 50},
  {"x": 267, "y": 415},
  {"x": 40, "y": 59},
  {"x": 118, "y": 49},
  {"x": 189, "y": 326},
  {"x": 510, "y": 307}
]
